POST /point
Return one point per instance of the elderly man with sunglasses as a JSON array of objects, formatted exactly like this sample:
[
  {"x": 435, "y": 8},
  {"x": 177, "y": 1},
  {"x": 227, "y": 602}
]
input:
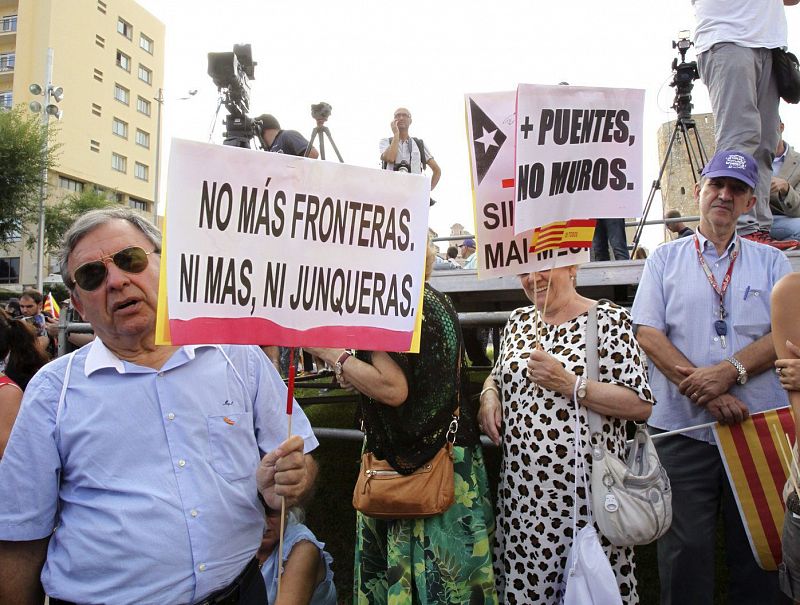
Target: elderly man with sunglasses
[{"x": 134, "y": 471}]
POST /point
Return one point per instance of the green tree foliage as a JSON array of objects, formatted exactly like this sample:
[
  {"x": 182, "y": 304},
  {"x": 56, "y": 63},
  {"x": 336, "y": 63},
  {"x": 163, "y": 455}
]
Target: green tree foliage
[
  {"x": 58, "y": 217},
  {"x": 22, "y": 138}
]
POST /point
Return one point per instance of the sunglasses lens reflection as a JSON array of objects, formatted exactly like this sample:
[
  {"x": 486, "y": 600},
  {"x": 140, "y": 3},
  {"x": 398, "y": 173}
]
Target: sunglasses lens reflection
[{"x": 89, "y": 276}]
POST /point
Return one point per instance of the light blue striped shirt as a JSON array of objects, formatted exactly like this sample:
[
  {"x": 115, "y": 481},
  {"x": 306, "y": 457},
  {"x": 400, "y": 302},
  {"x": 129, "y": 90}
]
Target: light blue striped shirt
[
  {"x": 149, "y": 474},
  {"x": 675, "y": 297}
]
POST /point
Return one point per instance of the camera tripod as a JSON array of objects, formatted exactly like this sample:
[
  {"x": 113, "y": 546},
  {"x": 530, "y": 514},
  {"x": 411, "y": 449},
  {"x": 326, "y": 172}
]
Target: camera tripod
[
  {"x": 322, "y": 131},
  {"x": 685, "y": 74}
]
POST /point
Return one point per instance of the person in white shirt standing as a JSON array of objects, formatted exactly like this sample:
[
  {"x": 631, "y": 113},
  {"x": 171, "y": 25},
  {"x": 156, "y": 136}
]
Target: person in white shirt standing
[{"x": 733, "y": 40}]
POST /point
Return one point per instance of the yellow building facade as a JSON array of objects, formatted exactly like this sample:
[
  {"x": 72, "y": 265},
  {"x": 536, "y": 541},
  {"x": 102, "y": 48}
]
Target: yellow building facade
[{"x": 108, "y": 56}]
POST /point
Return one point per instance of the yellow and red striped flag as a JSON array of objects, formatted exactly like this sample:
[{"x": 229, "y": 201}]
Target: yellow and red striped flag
[
  {"x": 578, "y": 233},
  {"x": 757, "y": 473},
  {"x": 51, "y": 306},
  {"x": 574, "y": 233}
]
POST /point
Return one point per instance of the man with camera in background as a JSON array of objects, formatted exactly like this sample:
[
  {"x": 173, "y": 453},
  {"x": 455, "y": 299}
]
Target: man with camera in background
[
  {"x": 289, "y": 142},
  {"x": 403, "y": 153}
]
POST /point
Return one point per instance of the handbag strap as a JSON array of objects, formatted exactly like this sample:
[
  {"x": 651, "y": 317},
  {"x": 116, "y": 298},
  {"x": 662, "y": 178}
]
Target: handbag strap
[{"x": 592, "y": 366}]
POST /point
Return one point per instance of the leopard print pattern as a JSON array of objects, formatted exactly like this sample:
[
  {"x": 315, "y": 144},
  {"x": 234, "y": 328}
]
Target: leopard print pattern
[{"x": 535, "y": 493}]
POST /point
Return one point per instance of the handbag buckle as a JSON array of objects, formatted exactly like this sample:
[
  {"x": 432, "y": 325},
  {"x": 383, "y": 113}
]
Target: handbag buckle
[{"x": 452, "y": 430}]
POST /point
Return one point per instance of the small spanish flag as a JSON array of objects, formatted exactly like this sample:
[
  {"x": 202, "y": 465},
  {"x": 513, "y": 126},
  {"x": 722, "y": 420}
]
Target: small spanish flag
[
  {"x": 578, "y": 233},
  {"x": 51, "y": 306},
  {"x": 574, "y": 233},
  {"x": 757, "y": 473}
]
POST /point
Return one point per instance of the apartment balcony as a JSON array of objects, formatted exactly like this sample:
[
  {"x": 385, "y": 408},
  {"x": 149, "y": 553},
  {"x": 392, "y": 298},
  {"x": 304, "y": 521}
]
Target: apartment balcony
[{"x": 8, "y": 27}]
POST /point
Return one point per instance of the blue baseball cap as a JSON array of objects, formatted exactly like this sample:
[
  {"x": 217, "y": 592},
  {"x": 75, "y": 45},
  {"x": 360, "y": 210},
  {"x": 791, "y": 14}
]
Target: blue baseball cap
[
  {"x": 469, "y": 243},
  {"x": 735, "y": 164}
]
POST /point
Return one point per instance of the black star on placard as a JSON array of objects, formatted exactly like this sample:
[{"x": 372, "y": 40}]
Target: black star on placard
[{"x": 488, "y": 139}]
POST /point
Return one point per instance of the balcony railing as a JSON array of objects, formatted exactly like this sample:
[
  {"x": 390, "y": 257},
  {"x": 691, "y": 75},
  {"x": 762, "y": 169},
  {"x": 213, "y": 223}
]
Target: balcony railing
[
  {"x": 8, "y": 24},
  {"x": 7, "y": 62},
  {"x": 6, "y": 101}
]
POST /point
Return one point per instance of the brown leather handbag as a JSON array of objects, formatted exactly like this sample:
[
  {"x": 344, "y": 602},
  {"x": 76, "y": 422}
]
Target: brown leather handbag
[{"x": 383, "y": 493}]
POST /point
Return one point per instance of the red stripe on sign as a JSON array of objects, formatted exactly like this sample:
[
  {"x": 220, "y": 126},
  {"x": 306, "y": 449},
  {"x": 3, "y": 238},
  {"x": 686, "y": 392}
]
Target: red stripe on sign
[
  {"x": 508, "y": 183},
  {"x": 766, "y": 437},
  {"x": 759, "y": 499},
  {"x": 255, "y": 330}
]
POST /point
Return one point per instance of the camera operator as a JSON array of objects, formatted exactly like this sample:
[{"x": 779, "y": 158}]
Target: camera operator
[
  {"x": 276, "y": 140},
  {"x": 733, "y": 39},
  {"x": 403, "y": 153}
]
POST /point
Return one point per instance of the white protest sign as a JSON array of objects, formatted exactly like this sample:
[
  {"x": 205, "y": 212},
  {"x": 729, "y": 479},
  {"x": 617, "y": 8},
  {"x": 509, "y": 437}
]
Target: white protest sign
[
  {"x": 579, "y": 154},
  {"x": 490, "y": 132},
  {"x": 266, "y": 248}
]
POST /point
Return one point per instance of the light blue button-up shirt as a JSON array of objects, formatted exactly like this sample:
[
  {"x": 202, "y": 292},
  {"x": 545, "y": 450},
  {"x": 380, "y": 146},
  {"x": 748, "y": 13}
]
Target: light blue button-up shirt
[
  {"x": 149, "y": 475},
  {"x": 674, "y": 296}
]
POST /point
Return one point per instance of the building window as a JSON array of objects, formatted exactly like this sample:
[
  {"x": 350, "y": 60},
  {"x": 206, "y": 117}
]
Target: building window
[
  {"x": 70, "y": 184},
  {"x": 120, "y": 128},
  {"x": 9, "y": 270},
  {"x": 140, "y": 171},
  {"x": 137, "y": 204},
  {"x": 125, "y": 28},
  {"x": 100, "y": 40},
  {"x": 123, "y": 61},
  {"x": 6, "y": 100},
  {"x": 7, "y": 61},
  {"x": 145, "y": 75},
  {"x": 119, "y": 162},
  {"x": 94, "y": 146},
  {"x": 97, "y": 109},
  {"x": 145, "y": 43},
  {"x": 143, "y": 105},
  {"x": 143, "y": 138},
  {"x": 122, "y": 94},
  {"x": 8, "y": 24},
  {"x": 98, "y": 75}
]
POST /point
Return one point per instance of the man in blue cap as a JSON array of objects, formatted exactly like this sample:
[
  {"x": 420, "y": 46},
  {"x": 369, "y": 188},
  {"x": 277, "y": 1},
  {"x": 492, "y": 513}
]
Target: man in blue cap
[
  {"x": 702, "y": 315},
  {"x": 467, "y": 249}
]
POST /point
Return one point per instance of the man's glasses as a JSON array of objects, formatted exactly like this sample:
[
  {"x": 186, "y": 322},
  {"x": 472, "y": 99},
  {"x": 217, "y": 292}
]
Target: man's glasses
[
  {"x": 401, "y": 115},
  {"x": 89, "y": 276}
]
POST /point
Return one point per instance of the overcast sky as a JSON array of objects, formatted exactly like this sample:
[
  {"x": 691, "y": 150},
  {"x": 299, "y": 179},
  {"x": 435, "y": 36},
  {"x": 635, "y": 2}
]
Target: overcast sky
[{"x": 366, "y": 58}]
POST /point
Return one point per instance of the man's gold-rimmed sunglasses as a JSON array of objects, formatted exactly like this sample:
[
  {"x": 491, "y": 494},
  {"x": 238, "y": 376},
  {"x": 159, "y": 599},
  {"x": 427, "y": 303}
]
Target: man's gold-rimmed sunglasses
[{"x": 89, "y": 276}]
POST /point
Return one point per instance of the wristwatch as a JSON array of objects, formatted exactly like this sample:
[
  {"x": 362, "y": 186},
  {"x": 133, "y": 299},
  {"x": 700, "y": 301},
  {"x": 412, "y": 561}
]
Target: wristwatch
[
  {"x": 742, "y": 378},
  {"x": 583, "y": 383},
  {"x": 340, "y": 362}
]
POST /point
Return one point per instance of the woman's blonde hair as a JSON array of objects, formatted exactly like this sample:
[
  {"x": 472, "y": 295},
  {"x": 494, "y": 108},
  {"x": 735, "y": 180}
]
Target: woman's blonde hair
[{"x": 430, "y": 259}]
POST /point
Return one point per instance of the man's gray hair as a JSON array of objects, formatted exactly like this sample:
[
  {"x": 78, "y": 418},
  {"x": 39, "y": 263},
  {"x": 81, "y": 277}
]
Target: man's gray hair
[{"x": 97, "y": 218}]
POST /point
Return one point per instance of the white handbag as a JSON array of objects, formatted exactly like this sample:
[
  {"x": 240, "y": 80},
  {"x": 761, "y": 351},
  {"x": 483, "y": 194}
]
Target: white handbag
[
  {"x": 588, "y": 578},
  {"x": 631, "y": 499}
]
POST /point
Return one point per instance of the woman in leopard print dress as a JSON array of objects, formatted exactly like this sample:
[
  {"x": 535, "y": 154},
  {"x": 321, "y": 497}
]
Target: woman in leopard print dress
[{"x": 526, "y": 405}]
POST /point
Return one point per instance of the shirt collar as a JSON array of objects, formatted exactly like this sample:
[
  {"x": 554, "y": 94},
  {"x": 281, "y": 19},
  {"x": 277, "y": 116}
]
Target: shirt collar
[
  {"x": 704, "y": 240},
  {"x": 100, "y": 357},
  {"x": 780, "y": 157}
]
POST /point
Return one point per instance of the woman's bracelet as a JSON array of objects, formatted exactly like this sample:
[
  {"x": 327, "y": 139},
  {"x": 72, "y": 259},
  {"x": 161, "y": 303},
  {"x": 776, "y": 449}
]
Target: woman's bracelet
[{"x": 489, "y": 388}]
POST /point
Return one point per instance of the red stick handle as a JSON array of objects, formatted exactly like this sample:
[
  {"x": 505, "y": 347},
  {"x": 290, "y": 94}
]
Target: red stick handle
[{"x": 290, "y": 392}]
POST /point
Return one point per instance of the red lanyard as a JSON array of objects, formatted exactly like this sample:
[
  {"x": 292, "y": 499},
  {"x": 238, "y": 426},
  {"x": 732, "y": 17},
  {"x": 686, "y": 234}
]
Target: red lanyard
[{"x": 720, "y": 290}]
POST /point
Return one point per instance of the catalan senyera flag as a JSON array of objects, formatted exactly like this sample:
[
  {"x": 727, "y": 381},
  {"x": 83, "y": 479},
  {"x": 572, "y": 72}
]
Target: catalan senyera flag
[
  {"x": 51, "y": 306},
  {"x": 751, "y": 452},
  {"x": 574, "y": 233}
]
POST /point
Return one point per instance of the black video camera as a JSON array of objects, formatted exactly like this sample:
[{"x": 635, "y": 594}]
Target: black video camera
[
  {"x": 321, "y": 111},
  {"x": 684, "y": 75},
  {"x": 231, "y": 73}
]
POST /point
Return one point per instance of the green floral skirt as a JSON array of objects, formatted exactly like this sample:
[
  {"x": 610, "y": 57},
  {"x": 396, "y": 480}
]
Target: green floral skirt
[{"x": 442, "y": 559}]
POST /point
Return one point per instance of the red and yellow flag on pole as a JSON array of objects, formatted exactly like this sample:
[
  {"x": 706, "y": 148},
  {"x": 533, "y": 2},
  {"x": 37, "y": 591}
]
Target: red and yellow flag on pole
[
  {"x": 757, "y": 473},
  {"x": 574, "y": 233},
  {"x": 51, "y": 306}
]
